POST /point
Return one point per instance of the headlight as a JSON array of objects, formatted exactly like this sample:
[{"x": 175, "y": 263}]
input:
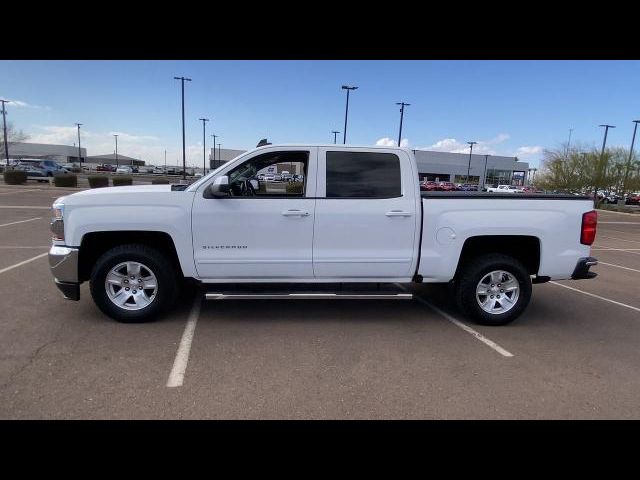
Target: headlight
[{"x": 57, "y": 222}]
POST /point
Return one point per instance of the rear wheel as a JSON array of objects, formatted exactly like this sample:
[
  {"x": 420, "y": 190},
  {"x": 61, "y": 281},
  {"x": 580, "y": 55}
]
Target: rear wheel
[
  {"x": 133, "y": 283},
  {"x": 493, "y": 289}
]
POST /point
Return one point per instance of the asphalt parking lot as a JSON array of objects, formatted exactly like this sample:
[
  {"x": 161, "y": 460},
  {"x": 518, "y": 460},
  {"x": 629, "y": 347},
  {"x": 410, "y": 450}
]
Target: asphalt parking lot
[{"x": 573, "y": 354}]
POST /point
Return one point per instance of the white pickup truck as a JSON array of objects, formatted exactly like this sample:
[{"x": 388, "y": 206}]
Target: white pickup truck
[{"x": 356, "y": 221}]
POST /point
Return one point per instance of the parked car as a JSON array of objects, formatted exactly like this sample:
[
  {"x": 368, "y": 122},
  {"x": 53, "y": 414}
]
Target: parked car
[
  {"x": 124, "y": 169},
  {"x": 429, "y": 186},
  {"x": 448, "y": 187},
  {"x": 505, "y": 189},
  {"x": 277, "y": 177},
  {"x": 72, "y": 167},
  {"x": 633, "y": 199},
  {"x": 468, "y": 187},
  {"x": 33, "y": 172},
  {"x": 370, "y": 230},
  {"x": 158, "y": 170},
  {"x": 269, "y": 177},
  {"x": 105, "y": 167},
  {"x": 49, "y": 167}
]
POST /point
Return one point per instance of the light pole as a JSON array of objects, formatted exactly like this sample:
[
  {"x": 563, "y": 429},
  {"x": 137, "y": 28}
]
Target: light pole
[
  {"x": 335, "y": 132},
  {"x": 346, "y": 111},
  {"x": 402, "y": 105},
  {"x": 569, "y": 142},
  {"x": 204, "y": 145},
  {"x": 626, "y": 172},
  {"x": 184, "y": 154},
  {"x": 469, "y": 166},
  {"x": 595, "y": 182},
  {"x": 79, "y": 149},
  {"x": 484, "y": 176},
  {"x": 117, "y": 164},
  {"x": 214, "y": 151},
  {"x": 4, "y": 127}
]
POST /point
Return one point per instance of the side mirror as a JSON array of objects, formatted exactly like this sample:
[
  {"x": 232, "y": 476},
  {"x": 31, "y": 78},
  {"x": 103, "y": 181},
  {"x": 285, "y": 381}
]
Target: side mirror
[{"x": 220, "y": 188}]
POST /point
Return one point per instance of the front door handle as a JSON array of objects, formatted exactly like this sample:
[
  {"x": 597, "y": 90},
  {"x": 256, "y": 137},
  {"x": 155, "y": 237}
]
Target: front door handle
[
  {"x": 295, "y": 213},
  {"x": 398, "y": 213}
]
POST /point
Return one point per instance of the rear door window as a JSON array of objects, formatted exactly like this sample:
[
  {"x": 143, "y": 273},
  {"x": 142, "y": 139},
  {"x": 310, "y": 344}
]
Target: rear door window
[{"x": 363, "y": 175}]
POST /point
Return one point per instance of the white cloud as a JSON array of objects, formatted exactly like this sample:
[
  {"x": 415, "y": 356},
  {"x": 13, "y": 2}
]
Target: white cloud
[
  {"x": 454, "y": 145},
  {"x": 527, "y": 151},
  {"x": 388, "y": 142},
  {"x": 21, "y": 104}
]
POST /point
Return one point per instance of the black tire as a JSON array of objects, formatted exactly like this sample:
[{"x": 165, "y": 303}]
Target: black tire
[
  {"x": 166, "y": 275},
  {"x": 474, "y": 271}
]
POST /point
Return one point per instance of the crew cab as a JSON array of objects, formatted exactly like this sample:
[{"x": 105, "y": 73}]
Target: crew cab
[{"x": 357, "y": 221}]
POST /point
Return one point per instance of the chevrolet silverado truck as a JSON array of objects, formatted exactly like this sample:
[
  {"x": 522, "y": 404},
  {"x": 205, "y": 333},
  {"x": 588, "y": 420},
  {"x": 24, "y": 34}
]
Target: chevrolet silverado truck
[{"x": 356, "y": 226}]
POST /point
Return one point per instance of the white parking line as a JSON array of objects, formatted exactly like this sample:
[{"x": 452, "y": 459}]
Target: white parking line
[
  {"x": 20, "y": 221},
  {"x": 621, "y": 223},
  {"x": 25, "y": 207},
  {"x": 20, "y": 191},
  {"x": 176, "y": 377},
  {"x": 6, "y": 269},
  {"x": 622, "y": 239},
  {"x": 597, "y": 296},
  {"x": 618, "y": 266},
  {"x": 463, "y": 326},
  {"x": 632, "y": 251},
  {"x": 9, "y": 247}
]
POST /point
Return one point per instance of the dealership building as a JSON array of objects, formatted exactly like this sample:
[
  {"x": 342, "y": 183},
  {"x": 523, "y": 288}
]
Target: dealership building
[
  {"x": 58, "y": 153},
  {"x": 444, "y": 167},
  {"x": 452, "y": 167}
]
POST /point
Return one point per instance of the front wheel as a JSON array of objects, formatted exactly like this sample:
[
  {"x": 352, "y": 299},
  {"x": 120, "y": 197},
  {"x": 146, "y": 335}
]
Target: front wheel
[
  {"x": 133, "y": 283},
  {"x": 493, "y": 289}
]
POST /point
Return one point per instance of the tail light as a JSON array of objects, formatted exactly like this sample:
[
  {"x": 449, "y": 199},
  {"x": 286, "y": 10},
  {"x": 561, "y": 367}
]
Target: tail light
[{"x": 588, "y": 230}]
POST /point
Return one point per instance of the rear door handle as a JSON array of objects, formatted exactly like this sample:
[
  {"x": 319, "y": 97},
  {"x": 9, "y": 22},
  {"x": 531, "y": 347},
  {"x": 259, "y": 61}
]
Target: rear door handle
[
  {"x": 295, "y": 213},
  {"x": 398, "y": 213}
]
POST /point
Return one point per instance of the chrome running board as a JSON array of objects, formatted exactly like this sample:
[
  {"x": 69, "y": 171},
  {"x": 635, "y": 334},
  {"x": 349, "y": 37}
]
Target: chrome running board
[{"x": 308, "y": 296}]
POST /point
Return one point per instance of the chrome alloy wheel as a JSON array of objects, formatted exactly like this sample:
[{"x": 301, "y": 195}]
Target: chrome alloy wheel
[
  {"x": 131, "y": 285},
  {"x": 497, "y": 292}
]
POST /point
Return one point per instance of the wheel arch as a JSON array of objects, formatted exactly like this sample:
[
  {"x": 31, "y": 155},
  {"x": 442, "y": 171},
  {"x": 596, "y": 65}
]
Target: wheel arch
[
  {"x": 94, "y": 244},
  {"x": 524, "y": 248}
]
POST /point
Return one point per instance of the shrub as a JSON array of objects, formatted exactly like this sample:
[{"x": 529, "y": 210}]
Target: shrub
[
  {"x": 120, "y": 181},
  {"x": 14, "y": 177},
  {"x": 295, "y": 187},
  {"x": 98, "y": 181},
  {"x": 67, "y": 180},
  {"x": 159, "y": 181}
]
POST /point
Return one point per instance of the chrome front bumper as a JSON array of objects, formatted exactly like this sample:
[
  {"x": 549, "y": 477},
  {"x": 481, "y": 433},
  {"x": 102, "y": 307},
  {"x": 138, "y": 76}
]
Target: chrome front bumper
[{"x": 63, "y": 262}]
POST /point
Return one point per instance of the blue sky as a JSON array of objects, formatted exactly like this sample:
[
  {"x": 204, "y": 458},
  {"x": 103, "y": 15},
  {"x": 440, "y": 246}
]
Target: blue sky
[{"x": 509, "y": 107}]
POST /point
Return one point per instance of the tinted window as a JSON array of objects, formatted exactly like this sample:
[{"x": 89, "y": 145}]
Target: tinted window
[{"x": 363, "y": 175}]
